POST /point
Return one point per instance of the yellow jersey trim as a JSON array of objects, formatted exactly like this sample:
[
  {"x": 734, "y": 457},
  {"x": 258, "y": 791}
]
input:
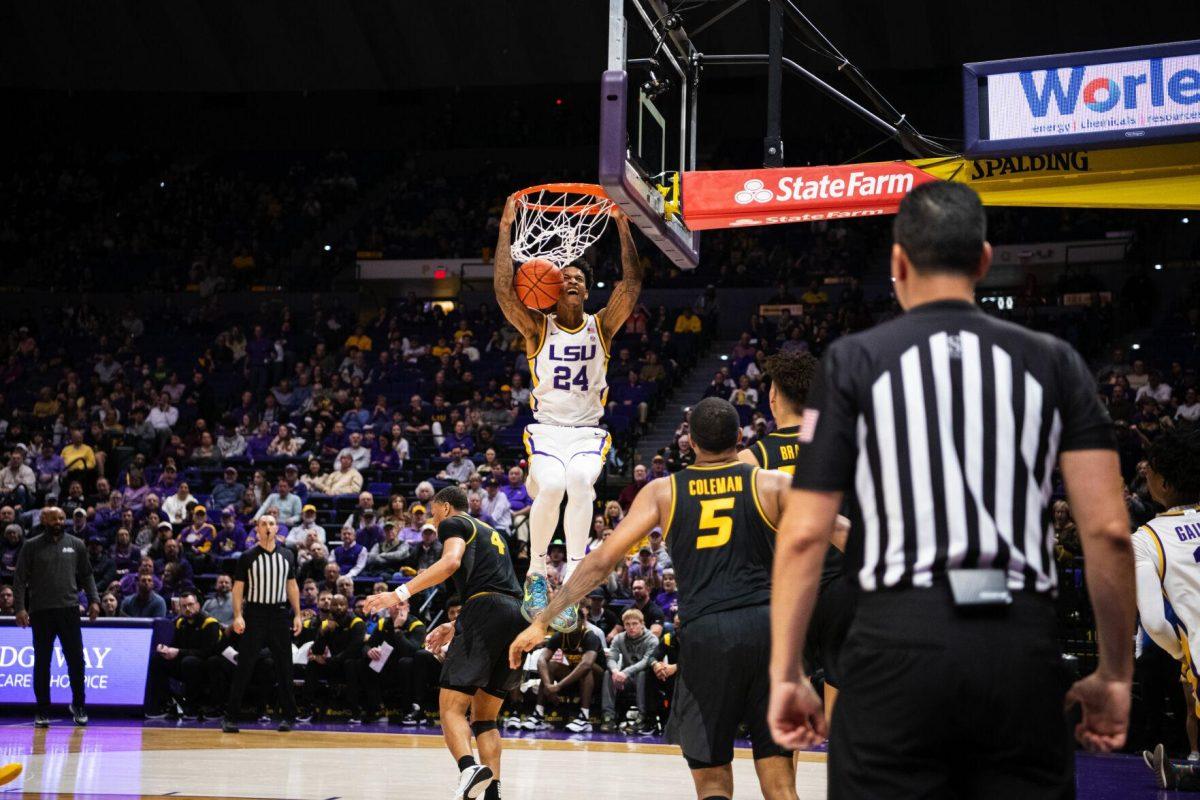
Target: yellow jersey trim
[
  {"x": 541, "y": 337},
  {"x": 763, "y": 462},
  {"x": 713, "y": 466},
  {"x": 474, "y": 528},
  {"x": 565, "y": 329},
  {"x": 757, "y": 502},
  {"x": 666, "y": 528}
]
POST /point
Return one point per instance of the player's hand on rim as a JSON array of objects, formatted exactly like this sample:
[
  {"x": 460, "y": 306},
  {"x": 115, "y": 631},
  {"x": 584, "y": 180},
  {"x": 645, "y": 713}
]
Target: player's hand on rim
[
  {"x": 378, "y": 602},
  {"x": 529, "y": 639},
  {"x": 795, "y": 715}
]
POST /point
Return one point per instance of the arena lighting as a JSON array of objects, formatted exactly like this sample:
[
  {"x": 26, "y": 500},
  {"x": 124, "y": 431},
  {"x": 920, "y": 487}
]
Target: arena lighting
[
  {"x": 724, "y": 358},
  {"x": 1185, "y": 220},
  {"x": 599, "y": 284},
  {"x": 162, "y": 184},
  {"x": 1158, "y": 266},
  {"x": 1137, "y": 346},
  {"x": 328, "y": 247}
]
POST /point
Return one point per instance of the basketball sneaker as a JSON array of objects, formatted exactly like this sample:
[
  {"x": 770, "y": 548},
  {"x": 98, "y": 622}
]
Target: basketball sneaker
[
  {"x": 473, "y": 782},
  {"x": 1160, "y": 765},
  {"x": 537, "y": 596},
  {"x": 581, "y": 724},
  {"x": 79, "y": 715},
  {"x": 535, "y": 722},
  {"x": 566, "y": 621}
]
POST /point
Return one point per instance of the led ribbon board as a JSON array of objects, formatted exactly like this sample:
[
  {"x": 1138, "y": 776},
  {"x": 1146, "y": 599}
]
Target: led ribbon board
[{"x": 1126, "y": 96}]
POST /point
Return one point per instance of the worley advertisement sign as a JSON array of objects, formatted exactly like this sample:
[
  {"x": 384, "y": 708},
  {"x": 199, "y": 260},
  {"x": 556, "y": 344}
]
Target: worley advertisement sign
[
  {"x": 1125, "y": 96},
  {"x": 115, "y": 665}
]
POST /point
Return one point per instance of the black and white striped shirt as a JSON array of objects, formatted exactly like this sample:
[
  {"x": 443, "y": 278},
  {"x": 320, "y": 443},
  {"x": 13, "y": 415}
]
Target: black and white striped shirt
[
  {"x": 943, "y": 426},
  {"x": 266, "y": 574}
]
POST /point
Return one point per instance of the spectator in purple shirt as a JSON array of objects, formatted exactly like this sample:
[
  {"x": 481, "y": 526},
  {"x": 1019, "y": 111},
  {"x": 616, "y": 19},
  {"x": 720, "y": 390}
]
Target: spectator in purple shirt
[
  {"x": 124, "y": 555},
  {"x": 257, "y": 445},
  {"x": 459, "y": 438},
  {"x": 350, "y": 556},
  {"x": 230, "y": 535},
  {"x": 518, "y": 496},
  {"x": 370, "y": 533},
  {"x": 633, "y": 395},
  {"x": 49, "y": 467}
]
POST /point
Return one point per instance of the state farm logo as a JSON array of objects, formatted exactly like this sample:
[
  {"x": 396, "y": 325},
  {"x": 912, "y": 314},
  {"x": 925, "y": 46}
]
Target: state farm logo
[
  {"x": 753, "y": 192},
  {"x": 829, "y": 183}
]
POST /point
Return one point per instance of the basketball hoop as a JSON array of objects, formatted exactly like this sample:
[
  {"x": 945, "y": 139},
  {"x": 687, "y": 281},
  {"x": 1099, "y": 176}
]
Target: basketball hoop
[{"x": 559, "y": 221}]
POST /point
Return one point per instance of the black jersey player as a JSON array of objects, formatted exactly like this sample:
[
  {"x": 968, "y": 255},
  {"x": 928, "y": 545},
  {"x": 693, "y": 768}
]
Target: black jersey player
[
  {"x": 791, "y": 376},
  {"x": 718, "y": 518},
  {"x": 475, "y": 676}
]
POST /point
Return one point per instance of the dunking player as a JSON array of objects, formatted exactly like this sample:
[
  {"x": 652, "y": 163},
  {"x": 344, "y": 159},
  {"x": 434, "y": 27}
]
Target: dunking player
[
  {"x": 1164, "y": 551},
  {"x": 791, "y": 374},
  {"x": 718, "y": 518},
  {"x": 475, "y": 675},
  {"x": 568, "y": 356}
]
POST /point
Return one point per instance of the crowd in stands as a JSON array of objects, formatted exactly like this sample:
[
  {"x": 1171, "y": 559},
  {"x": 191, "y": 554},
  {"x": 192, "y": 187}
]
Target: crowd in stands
[{"x": 163, "y": 440}]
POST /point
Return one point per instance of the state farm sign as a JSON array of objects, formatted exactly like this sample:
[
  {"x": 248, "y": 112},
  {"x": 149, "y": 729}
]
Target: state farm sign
[{"x": 736, "y": 198}]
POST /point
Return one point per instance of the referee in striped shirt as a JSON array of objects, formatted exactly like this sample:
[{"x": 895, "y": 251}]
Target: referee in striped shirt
[
  {"x": 264, "y": 586},
  {"x": 943, "y": 427}
]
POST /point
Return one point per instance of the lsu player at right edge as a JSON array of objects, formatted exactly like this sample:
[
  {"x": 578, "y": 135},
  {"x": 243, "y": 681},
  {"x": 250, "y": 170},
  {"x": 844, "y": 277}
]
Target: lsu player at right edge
[{"x": 1166, "y": 551}]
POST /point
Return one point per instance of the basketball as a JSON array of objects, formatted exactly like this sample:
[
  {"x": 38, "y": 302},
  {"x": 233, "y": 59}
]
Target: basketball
[{"x": 538, "y": 283}]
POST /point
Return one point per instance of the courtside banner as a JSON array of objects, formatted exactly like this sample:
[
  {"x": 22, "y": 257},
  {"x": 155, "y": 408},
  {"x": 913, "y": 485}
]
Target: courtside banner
[
  {"x": 1165, "y": 176},
  {"x": 747, "y": 197},
  {"x": 115, "y": 665}
]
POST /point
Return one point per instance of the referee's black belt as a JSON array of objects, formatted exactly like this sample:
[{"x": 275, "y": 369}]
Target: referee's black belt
[{"x": 262, "y": 607}]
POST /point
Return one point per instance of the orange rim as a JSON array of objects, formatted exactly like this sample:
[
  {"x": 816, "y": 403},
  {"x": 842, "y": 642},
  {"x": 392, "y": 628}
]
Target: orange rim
[{"x": 599, "y": 203}]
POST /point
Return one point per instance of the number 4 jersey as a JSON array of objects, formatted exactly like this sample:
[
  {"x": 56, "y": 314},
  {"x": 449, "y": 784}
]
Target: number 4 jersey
[
  {"x": 721, "y": 543},
  {"x": 486, "y": 566},
  {"x": 569, "y": 366}
]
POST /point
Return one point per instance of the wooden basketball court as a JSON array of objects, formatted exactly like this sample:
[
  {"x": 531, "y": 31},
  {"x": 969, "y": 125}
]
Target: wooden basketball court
[{"x": 113, "y": 762}]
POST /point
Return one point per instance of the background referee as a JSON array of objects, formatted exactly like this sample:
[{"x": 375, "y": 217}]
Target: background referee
[
  {"x": 264, "y": 585},
  {"x": 944, "y": 427}
]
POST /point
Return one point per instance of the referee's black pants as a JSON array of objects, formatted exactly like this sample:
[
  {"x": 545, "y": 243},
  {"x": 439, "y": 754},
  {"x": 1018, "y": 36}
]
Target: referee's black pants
[
  {"x": 62, "y": 624},
  {"x": 936, "y": 703},
  {"x": 270, "y": 627}
]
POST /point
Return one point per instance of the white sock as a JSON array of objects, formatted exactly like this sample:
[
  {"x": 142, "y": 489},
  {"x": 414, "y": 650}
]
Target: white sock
[
  {"x": 540, "y": 709},
  {"x": 585, "y": 712}
]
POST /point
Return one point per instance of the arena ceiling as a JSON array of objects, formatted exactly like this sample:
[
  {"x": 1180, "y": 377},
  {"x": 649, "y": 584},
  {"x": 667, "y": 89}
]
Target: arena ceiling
[{"x": 395, "y": 45}]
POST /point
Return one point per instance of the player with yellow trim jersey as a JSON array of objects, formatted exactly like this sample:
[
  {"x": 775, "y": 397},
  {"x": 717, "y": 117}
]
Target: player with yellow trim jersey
[
  {"x": 568, "y": 352},
  {"x": 1167, "y": 550},
  {"x": 718, "y": 517}
]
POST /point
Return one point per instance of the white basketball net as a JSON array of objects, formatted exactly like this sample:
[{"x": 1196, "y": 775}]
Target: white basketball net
[{"x": 558, "y": 222}]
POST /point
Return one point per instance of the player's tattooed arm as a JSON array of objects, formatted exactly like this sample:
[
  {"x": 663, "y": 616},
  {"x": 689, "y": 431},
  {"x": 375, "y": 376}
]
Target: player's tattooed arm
[
  {"x": 643, "y": 515},
  {"x": 591, "y": 572},
  {"x": 526, "y": 320},
  {"x": 626, "y": 293}
]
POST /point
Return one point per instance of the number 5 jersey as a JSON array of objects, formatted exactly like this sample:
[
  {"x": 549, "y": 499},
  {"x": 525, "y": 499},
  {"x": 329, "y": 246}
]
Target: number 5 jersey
[{"x": 721, "y": 544}]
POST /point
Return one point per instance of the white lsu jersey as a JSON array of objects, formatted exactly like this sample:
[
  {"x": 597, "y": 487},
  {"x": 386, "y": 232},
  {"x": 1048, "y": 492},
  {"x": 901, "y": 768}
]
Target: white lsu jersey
[
  {"x": 570, "y": 385},
  {"x": 1171, "y": 543}
]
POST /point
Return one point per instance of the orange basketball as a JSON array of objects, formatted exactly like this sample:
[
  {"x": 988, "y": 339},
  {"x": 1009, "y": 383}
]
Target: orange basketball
[{"x": 538, "y": 283}]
